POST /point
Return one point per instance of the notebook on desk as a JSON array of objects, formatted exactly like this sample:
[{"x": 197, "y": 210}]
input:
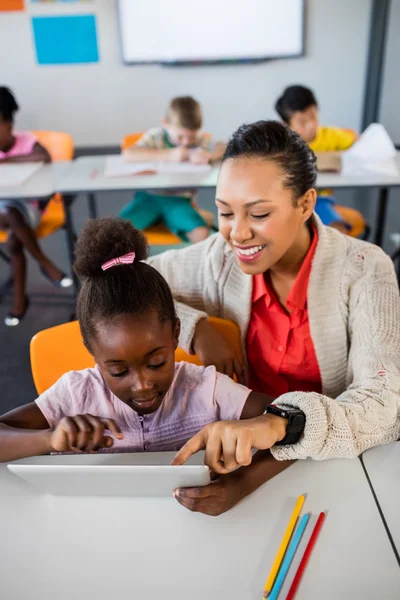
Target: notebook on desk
[
  {"x": 14, "y": 174},
  {"x": 117, "y": 166}
]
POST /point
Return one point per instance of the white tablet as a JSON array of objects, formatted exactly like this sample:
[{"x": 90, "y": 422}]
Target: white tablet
[{"x": 140, "y": 474}]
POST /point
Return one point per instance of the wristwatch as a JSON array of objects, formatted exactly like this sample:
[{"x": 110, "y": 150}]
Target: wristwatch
[{"x": 296, "y": 423}]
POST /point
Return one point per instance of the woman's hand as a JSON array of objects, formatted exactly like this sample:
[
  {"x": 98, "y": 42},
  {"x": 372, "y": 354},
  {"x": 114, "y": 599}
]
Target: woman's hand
[
  {"x": 83, "y": 433},
  {"x": 226, "y": 491},
  {"x": 228, "y": 444},
  {"x": 213, "y": 349},
  {"x": 214, "y": 499}
]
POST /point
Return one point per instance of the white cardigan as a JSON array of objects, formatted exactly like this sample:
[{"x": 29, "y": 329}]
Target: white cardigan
[{"x": 354, "y": 314}]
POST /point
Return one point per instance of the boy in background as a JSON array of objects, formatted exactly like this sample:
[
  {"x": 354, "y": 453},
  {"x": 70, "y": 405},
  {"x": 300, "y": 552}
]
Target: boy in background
[
  {"x": 178, "y": 139},
  {"x": 298, "y": 108}
]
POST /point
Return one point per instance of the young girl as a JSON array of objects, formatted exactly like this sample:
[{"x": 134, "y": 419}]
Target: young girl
[
  {"x": 136, "y": 398},
  {"x": 21, "y": 218}
]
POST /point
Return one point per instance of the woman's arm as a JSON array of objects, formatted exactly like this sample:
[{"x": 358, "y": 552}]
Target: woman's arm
[
  {"x": 38, "y": 154},
  {"x": 367, "y": 413},
  {"x": 184, "y": 271}
]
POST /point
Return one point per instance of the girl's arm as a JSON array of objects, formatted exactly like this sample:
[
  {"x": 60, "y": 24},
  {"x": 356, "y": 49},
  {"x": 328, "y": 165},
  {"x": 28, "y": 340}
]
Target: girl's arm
[
  {"x": 38, "y": 154},
  {"x": 24, "y": 432},
  {"x": 255, "y": 405}
]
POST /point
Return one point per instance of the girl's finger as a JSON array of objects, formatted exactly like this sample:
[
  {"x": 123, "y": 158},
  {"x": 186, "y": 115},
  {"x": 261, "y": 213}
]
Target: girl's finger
[
  {"x": 98, "y": 428},
  {"x": 113, "y": 427},
  {"x": 85, "y": 430}
]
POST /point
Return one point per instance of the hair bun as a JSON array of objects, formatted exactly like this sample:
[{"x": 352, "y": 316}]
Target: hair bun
[{"x": 102, "y": 240}]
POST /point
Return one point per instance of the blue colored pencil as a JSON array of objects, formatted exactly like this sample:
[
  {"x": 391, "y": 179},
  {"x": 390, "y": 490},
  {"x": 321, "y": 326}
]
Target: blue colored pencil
[{"x": 288, "y": 558}]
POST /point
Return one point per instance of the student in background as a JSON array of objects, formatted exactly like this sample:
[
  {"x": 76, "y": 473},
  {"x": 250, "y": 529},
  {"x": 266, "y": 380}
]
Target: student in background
[
  {"x": 136, "y": 398},
  {"x": 178, "y": 139},
  {"x": 19, "y": 218},
  {"x": 298, "y": 108}
]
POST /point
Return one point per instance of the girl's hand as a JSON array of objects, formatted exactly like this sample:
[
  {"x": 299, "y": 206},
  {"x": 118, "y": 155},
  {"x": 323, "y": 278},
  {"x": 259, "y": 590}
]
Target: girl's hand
[
  {"x": 228, "y": 444},
  {"x": 214, "y": 499},
  {"x": 83, "y": 433},
  {"x": 213, "y": 349}
]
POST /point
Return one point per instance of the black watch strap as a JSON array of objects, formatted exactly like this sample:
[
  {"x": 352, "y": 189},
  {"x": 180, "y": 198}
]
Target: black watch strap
[{"x": 296, "y": 423}]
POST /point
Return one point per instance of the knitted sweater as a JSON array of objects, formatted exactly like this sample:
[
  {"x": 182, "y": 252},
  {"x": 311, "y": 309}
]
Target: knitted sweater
[{"x": 354, "y": 314}]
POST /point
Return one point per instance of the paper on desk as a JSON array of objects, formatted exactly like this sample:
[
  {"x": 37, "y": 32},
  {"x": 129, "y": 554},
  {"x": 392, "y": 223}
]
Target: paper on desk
[
  {"x": 117, "y": 166},
  {"x": 373, "y": 152},
  {"x": 14, "y": 174}
]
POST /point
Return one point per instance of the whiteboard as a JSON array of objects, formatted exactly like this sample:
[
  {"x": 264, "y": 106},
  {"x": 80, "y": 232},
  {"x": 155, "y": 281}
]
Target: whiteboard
[{"x": 180, "y": 31}]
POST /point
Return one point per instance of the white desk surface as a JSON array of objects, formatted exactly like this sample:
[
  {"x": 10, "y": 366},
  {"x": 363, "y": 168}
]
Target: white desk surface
[
  {"x": 383, "y": 467},
  {"x": 41, "y": 185},
  {"x": 102, "y": 548},
  {"x": 86, "y": 174}
]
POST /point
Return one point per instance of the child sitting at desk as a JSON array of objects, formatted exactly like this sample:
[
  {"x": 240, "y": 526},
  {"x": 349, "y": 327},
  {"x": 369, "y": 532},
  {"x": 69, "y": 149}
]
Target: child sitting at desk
[
  {"x": 136, "y": 398},
  {"x": 179, "y": 139},
  {"x": 18, "y": 218},
  {"x": 298, "y": 108}
]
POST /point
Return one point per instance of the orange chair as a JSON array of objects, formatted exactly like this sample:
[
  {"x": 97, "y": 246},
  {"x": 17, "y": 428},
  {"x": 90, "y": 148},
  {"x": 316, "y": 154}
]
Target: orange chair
[
  {"x": 60, "y": 349},
  {"x": 160, "y": 235},
  {"x": 60, "y": 147}
]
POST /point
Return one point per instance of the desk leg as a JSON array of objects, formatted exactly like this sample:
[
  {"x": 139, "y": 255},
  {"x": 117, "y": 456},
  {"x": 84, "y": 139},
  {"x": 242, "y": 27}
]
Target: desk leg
[
  {"x": 69, "y": 230},
  {"x": 381, "y": 216},
  {"x": 92, "y": 206}
]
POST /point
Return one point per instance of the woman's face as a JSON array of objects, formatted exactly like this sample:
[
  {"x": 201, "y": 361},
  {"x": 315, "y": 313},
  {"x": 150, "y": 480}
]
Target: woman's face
[{"x": 256, "y": 213}]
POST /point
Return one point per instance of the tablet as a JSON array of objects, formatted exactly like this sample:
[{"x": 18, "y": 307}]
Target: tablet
[{"x": 135, "y": 475}]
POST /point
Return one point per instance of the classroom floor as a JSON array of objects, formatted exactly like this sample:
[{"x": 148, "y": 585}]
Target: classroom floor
[{"x": 50, "y": 306}]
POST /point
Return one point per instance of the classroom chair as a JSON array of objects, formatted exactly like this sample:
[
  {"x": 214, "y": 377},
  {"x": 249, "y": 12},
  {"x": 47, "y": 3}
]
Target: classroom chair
[
  {"x": 160, "y": 235},
  {"x": 60, "y": 147},
  {"x": 60, "y": 349}
]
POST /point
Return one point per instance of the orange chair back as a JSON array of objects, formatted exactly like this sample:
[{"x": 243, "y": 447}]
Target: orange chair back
[
  {"x": 130, "y": 139},
  {"x": 60, "y": 349},
  {"x": 59, "y": 145}
]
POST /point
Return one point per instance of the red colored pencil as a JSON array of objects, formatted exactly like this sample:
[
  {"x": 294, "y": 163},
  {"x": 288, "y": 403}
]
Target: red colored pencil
[{"x": 306, "y": 557}]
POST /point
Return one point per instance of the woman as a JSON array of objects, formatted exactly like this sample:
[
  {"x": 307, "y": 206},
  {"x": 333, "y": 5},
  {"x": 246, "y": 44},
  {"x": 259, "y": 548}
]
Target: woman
[{"x": 319, "y": 312}]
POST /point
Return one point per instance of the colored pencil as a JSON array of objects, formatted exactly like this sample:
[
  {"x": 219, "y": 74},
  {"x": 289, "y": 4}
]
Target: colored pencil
[
  {"x": 284, "y": 544},
  {"x": 283, "y": 571},
  {"x": 306, "y": 557}
]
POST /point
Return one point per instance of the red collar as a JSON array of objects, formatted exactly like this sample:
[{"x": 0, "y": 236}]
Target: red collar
[{"x": 297, "y": 297}]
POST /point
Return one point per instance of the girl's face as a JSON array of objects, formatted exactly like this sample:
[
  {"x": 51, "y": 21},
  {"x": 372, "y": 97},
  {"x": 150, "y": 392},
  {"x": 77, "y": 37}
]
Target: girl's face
[
  {"x": 136, "y": 357},
  {"x": 257, "y": 217}
]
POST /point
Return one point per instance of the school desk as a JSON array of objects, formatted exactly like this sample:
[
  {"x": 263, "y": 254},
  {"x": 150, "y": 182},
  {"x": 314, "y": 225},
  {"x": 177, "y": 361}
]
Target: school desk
[
  {"x": 382, "y": 465},
  {"x": 102, "y": 548},
  {"x": 86, "y": 175}
]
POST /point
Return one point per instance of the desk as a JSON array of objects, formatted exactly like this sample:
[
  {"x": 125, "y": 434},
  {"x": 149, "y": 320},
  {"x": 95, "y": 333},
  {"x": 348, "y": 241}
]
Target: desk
[
  {"x": 102, "y": 548},
  {"x": 382, "y": 465},
  {"x": 86, "y": 175}
]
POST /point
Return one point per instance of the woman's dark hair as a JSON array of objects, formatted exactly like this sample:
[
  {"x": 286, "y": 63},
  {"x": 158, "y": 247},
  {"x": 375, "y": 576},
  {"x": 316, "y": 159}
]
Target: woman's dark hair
[
  {"x": 271, "y": 140},
  {"x": 295, "y": 98},
  {"x": 135, "y": 288},
  {"x": 8, "y": 104}
]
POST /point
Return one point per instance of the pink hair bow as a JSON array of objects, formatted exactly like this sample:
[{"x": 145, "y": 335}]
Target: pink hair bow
[{"x": 127, "y": 259}]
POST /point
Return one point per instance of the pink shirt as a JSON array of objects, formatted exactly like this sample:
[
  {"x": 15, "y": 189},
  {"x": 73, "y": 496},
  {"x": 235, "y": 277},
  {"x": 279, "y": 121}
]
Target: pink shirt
[
  {"x": 197, "y": 396},
  {"x": 24, "y": 143}
]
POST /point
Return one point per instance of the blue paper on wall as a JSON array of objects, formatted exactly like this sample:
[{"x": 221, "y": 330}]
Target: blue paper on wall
[{"x": 65, "y": 39}]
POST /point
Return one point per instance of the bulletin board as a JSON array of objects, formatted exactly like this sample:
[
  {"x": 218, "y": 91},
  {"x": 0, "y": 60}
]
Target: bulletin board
[{"x": 210, "y": 31}]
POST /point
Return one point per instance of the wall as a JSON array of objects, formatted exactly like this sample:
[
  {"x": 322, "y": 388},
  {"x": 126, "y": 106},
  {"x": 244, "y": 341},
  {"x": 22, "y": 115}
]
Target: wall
[
  {"x": 99, "y": 103},
  {"x": 390, "y": 101}
]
